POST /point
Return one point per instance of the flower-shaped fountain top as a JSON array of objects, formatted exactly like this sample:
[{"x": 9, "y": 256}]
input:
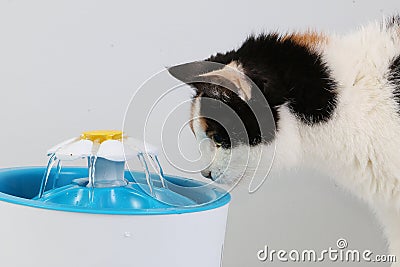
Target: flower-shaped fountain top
[
  {"x": 108, "y": 144},
  {"x": 106, "y": 151}
]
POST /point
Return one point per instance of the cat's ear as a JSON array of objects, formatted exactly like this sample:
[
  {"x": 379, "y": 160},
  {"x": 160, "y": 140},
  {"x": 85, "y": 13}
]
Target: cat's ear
[
  {"x": 191, "y": 72},
  {"x": 234, "y": 73},
  {"x": 230, "y": 76}
]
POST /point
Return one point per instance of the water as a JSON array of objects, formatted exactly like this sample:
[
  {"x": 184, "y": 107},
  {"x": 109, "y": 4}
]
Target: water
[
  {"x": 143, "y": 158},
  {"x": 50, "y": 164},
  {"x": 92, "y": 169},
  {"x": 55, "y": 180},
  {"x": 158, "y": 169},
  {"x": 147, "y": 172}
]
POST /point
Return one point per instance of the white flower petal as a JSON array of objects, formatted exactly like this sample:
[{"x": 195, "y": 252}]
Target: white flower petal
[
  {"x": 75, "y": 150},
  {"x": 139, "y": 146},
  {"x": 60, "y": 145},
  {"x": 114, "y": 150}
]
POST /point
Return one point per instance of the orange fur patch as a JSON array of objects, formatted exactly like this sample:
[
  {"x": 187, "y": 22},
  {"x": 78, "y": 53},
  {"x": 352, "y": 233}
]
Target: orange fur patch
[
  {"x": 191, "y": 114},
  {"x": 202, "y": 121},
  {"x": 308, "y": 39}
]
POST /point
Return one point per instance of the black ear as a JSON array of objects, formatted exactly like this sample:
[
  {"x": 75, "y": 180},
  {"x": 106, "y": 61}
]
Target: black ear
[{"x": 190, "y": 72}]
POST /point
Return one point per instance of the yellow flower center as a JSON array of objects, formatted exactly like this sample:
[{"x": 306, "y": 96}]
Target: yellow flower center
[{"x": 100, "y": 136}]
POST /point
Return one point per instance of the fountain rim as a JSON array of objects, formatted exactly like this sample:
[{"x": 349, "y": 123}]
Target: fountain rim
[{"x": 219, "y": 202}]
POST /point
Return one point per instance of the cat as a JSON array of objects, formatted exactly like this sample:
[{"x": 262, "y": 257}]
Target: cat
[{"x": 335, "y": 104}]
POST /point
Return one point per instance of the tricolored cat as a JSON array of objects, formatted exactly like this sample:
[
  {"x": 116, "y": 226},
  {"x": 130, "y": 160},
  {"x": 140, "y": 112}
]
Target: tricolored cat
[{"x": 335, "y": 101}]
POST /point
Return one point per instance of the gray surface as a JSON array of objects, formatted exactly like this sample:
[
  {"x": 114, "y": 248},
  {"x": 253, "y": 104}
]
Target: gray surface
[{"x": 67, "y": 67}]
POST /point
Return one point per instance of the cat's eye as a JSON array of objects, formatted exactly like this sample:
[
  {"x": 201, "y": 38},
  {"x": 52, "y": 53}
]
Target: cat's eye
[{"x": 217, "y": 140}]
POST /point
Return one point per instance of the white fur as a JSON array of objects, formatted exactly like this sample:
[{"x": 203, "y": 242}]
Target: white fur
[{"x": 359, "y": 146}]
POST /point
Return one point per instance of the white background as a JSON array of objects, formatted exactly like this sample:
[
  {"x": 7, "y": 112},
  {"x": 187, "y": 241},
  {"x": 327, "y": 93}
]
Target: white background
[{"x": 69, "y": 66}]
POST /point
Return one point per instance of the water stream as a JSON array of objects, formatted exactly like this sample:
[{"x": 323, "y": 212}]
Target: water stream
[
  {"x": 50, "y": 164},
  {"x": 58, "y": 171},
  {"x": 143, "y": 158},
  {"x": 147, "y": 172},
  {"x": 158, "y": 169}
]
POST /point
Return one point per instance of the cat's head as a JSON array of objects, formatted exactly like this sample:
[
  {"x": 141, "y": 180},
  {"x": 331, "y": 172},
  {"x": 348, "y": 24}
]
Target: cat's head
[
  {"x": 230, "y": 117},
  {"x": 250, "y": 99}
]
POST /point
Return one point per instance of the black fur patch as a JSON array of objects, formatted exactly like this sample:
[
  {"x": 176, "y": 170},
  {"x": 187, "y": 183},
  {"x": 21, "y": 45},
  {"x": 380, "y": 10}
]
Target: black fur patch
[
  {"x": 393, "y": 21},
  {"x": 287, "y": 73},
  {"x": 230, "y": 120},
  {"x": 394, "y": 77}
]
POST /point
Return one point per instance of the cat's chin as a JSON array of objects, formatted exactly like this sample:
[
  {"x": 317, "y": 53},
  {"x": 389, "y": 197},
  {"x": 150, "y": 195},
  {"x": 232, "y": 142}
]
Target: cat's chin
[
  {"x": 223, "y": 180},
  {"x": 229, "y": 180}
]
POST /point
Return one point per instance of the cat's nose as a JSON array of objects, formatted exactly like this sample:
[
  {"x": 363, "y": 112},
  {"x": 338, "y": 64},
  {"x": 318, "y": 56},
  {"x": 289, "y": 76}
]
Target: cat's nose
[{"x": 206, "y": 173}]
